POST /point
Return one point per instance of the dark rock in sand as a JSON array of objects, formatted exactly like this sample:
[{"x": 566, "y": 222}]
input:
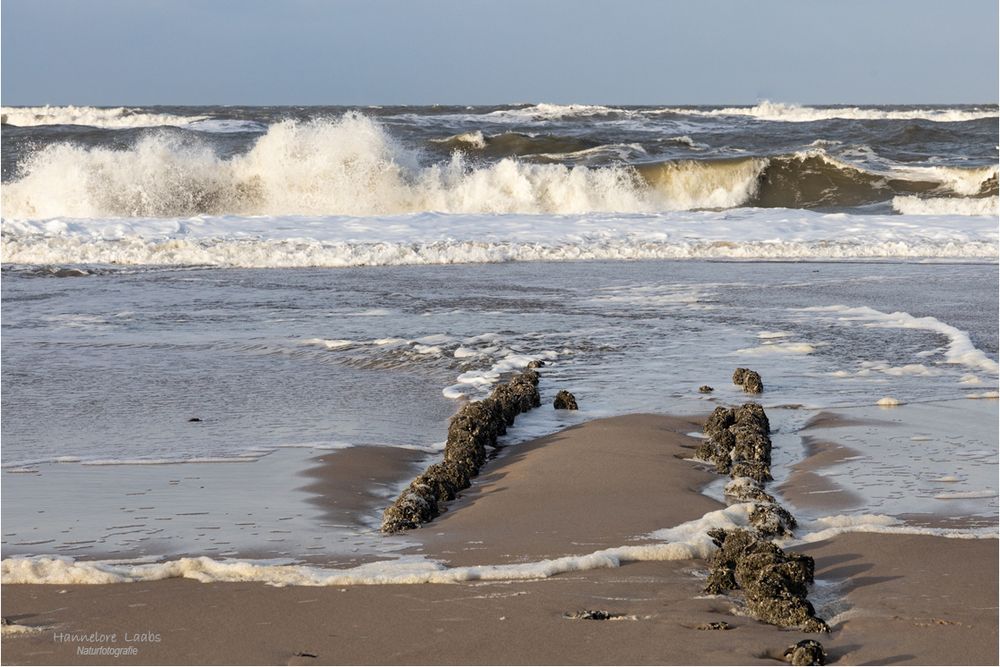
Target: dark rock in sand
[
  {"x": 749, "y": 380},
  {"x": 716, "y": 449},
  {"x": 480, "y": 422},
  {"x": 774, "y": 583},
  {"x": 750, "y": 444},
  {"x": 752, "y": 414},
  {"x": 705, "y": 450},
  {"x": 446, "y": 479},
  {"x": 564, "y": 401},
  {"x": 772, "y": 520},
  {"x": 720, "y": 420},
  {"x": 755, "y": 470},
  {"x": 592, "y": 615},
  {"x": 806, "y": 652},
  {"x": 738, "y": 442},
  {"x": 752, "y": 384},
  {"x": 715, "y": 625},
  {"x": 724, "y": 441},
  {"x": 787, "y": 613},
  {"x": 744, "y": 489},
  {"x": 415, "y": 506},
  {"x": 465, "y": 448},
  {"x": 518, "y": 395},
  {"x": 474, "y": 428},
  {"x": 705, "y": 389},
  {"x": 722, "y": 563}
]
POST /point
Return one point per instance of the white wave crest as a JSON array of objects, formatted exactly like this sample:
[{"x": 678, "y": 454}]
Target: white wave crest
[
  {"x": 966, "y": 181},
  {"x": 118, "y": 117},
  {"x": 545, "y": 111},
  {"x": 349, "y": 166},
  {"x": 947, "y": 205},
  {"x": 794, "y": 113},
  {"x": 960, "y": 180},
  {"x": 690, "y": 184},
  {"x": 472, "y": 139}
]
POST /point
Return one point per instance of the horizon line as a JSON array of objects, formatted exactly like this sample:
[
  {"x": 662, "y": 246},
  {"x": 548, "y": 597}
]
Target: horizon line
[{"x": 492, "y": 104}]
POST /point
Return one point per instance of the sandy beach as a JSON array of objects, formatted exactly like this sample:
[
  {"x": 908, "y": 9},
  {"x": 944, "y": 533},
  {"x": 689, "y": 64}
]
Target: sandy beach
[
  {"x": 889, "y": 599},
  {"x": 353, "y": 333}
]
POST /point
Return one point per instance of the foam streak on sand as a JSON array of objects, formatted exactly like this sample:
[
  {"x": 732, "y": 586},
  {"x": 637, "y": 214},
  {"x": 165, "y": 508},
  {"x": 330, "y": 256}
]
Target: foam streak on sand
[
  {"x": 827, "y": 527},
  {"x": 686, "y": 541},
  {"x": 680, "y": 543}
]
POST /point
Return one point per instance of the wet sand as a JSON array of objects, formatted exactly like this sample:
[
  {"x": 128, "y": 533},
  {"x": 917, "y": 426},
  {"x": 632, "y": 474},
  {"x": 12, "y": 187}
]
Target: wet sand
[
  {"x": 806, "y": 486},
  {"x": 602, "y": 484},
  {"x": 897, "y": 599},
  {"x": 349, "y": 486}
]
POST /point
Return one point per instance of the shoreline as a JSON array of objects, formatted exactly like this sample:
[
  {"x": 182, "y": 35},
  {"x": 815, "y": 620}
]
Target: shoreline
[{"x": 889, "y": 581}]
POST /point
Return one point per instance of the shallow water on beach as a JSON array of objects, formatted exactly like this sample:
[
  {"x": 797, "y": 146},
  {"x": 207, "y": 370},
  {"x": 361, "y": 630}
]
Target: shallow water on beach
[{"x": 105, "y": 371}]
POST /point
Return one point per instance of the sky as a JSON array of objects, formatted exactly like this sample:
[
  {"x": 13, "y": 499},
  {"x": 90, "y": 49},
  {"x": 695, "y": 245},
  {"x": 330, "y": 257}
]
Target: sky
[{"x": 260, "y": 52}]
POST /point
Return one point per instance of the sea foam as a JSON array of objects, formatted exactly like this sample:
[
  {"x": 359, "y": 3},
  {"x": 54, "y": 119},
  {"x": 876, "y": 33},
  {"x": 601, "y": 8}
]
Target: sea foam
[
  {"x": 959, "y": 350},
  {"x": 341, "y": 241},
  {"x": 686, "y": 541},
  {"x": 352, "y": 166},
  {"x": 348, "y": 166},
  {"x": 910, "y": 205}
]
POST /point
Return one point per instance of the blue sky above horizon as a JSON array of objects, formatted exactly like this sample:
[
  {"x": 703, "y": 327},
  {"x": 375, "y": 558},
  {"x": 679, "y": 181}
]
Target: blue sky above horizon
[{"x": 256, "y": 52}]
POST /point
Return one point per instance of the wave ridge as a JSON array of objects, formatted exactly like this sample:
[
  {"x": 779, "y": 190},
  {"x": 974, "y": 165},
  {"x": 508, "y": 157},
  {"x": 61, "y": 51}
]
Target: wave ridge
[
  {"x": 349, "y": 166},
  {"x": 352, "y": 166},
  {"x": 794, "y": 113},
  {"x": 118, "y": 117}
]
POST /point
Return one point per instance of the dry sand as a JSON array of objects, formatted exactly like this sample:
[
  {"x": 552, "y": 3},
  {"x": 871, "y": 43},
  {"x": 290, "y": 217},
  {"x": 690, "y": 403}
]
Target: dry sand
[{"x": 907, "y": 599}]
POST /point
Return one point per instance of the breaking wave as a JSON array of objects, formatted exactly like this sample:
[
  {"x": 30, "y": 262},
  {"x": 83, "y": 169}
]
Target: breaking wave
[
  {"x": 766, "y": 110},
  {"x": 119, "y": 117},
  {"x": 794, "y": 113},
  {"x": 511, "y": 144},
  {"x": 546, "y": 111},
  {"x": 690, "y": 184},
  {"x": 352, "y": 166}
]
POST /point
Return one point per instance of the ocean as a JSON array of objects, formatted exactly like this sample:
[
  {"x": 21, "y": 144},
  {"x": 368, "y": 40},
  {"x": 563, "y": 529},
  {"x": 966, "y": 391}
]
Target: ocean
[{"x": 198, "y": 301}]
